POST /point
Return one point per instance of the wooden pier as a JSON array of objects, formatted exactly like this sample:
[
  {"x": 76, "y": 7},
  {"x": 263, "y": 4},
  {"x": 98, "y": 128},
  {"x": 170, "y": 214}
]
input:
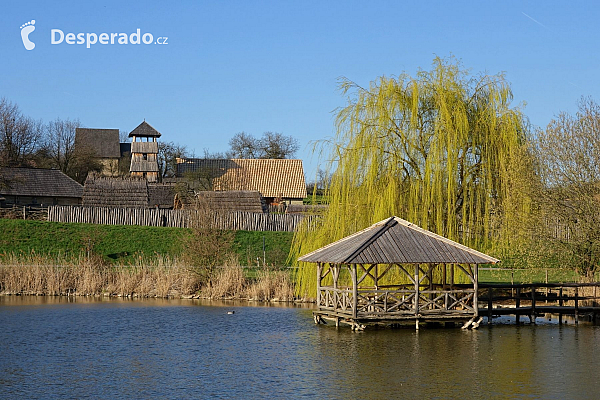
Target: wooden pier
[
  {"x": 396, "y": 273},
  {"x": 579, "y": 300}
]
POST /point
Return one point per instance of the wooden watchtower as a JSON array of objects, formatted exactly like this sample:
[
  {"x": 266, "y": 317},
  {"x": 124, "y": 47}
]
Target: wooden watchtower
[
  {"x": 144, "y": 152},
  {"x": 395, "y": 272}
]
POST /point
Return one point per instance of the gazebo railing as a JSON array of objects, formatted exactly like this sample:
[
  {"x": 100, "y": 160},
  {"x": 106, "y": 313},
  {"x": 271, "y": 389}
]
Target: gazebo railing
[
  {"x": 372, "y": 302},
  {"x": 340, "y": 300},
  {"x": 458, "y": 300}
]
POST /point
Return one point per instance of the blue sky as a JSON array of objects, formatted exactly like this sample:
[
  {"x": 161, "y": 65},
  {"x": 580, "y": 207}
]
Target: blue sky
[{"x": 256, "y": 66}]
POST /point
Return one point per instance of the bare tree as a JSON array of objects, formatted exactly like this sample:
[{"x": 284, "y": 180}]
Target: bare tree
[
  {"x": 270, "y": 145},
  {"x": 215, "y": 155},
  {"x": 243, "y": 145},
  {"x": 568, "y": 153},
  {"x": 60, "y": 144},
  {"x": 20, "y": 136},
  {"x": 277, "y": 145},
  {"x": 124, "y": 136},
  {"x": 168, "y": 152},
  {"x": 84, "y": 161}
]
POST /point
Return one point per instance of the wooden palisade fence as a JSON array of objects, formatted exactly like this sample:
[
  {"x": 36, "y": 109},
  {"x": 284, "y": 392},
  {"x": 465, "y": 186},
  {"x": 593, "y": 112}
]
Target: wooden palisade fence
[{"x": 174, "y": 218}]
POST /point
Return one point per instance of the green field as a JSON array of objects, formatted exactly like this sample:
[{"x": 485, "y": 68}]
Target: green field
[
  {"x": 125, "y": 243},
  {"x": 540, "y": 275}
]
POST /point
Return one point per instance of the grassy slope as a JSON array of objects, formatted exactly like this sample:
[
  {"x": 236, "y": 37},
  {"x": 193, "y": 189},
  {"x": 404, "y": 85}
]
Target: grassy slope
[{"x": 123, "y": 243}]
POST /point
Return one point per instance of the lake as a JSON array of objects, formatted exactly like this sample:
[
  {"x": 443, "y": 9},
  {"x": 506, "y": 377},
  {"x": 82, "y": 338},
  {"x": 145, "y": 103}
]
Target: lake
[{"x": 58, "y": 347}]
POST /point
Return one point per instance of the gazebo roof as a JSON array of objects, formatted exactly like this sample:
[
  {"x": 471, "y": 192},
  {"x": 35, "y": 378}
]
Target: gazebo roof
[{"x": 396, "y": 241}]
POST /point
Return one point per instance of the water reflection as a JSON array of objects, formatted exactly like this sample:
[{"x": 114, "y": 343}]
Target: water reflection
[{"x": 84, "y": 347}]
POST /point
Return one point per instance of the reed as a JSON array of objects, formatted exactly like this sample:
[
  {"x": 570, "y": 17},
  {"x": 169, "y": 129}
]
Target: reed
[
  {"x": 273, "y": 286},
  {"x": 158, "y": 276},
  {"x": 88, "y": 276}
]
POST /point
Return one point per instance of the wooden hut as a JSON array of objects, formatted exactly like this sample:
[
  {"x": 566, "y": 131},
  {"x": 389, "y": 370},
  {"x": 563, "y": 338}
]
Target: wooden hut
[
  {"x": 38, "y": 187},
  {"x": 277, "y": 180},
  {"x": 231, "y": 201},
  {"x": 395, "y": 272},
  {"x": 100, "y": 191},
  {"x": 103, "y": 144}
]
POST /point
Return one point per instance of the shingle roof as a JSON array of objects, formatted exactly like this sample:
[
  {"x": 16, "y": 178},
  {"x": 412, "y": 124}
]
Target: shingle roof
[
  {"x": 396, "y": 241},
  {"x": 270, "y": 177},
  {"x": 38, "y": 182},
  {"x": 144, "y": 129},
  {"x": 104, "y": 142}
]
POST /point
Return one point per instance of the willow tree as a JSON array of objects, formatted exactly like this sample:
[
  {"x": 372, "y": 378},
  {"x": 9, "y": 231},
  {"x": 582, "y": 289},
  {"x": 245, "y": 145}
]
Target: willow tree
[{"x": 437, "y": 150}]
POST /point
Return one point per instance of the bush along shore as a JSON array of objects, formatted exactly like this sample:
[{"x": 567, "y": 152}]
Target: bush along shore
[{"x": 153, "y": 277}]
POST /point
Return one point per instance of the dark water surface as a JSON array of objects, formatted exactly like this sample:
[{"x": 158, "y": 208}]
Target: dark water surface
[{"x": 61, "y": 348}]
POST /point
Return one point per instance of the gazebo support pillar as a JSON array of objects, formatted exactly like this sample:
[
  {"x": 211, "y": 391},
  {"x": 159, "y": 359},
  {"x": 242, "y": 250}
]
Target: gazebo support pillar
[
  {"x": 476, "y": 287},
  {"x": 319, "y": 274},
  {"x": 354, "y": 291},
  {"x": 417, "y": 292}
]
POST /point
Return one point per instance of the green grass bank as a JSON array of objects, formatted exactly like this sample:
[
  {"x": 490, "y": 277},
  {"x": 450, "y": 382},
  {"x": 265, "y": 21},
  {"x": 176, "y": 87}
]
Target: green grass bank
[{"x": 123, "y": 244}]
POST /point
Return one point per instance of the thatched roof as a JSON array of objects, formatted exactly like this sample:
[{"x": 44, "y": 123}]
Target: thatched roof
[
  {"x": 271, "y": 177},
  {"x": 396, "y": 241},
  {"x": 100, "y": 191},
  {"x": 103, "y": 142},
  {"x": 234, "y": 200},
  {"x": 144, "y": 130},
  {"x": 38, "y": 182},
  {"x": 160, "y": 195}
]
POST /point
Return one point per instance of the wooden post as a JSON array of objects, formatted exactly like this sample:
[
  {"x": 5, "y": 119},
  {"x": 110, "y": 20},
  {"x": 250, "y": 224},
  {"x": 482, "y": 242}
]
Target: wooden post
[
  {"x": 319, "y": 272},
  {"x": 547, "y": 289},
  {"x": 335, "y": 273},
  {"x": 417, "y": 292},
  {"x": 518, "y": 305},
  {"x": 354, "y": 291},
  {"x": 490, "y": 297},
  {"x": 444, "y": 267},
  {"x": 560, "y": 304},
  {"x": 512, "y": 282},
  {"x": 476, "y": 287},
  {"x": 532, "y": 316},
  {"x": 576, "y": 305}
]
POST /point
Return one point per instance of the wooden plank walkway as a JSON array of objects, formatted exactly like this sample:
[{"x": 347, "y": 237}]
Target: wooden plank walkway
[{"x": 579, "y": 300}]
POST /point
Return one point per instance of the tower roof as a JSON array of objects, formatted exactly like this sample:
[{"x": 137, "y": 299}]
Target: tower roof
[{"x": 144, "y": 130}]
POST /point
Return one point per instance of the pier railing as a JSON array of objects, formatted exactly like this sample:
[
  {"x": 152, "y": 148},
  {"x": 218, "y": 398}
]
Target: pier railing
[{"x": 536, "y": 299}]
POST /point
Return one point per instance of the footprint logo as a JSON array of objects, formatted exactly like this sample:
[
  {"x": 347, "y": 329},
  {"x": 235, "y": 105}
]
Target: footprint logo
[{"x": 26, "y": 29}]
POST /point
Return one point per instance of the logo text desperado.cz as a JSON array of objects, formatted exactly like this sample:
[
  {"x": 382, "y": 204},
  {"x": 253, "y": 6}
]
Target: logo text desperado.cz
[{"x": 57, "y": 36}]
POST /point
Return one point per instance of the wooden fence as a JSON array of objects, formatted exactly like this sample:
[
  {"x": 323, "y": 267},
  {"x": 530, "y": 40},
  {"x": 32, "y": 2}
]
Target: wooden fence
[
  {"x": 24, "y": 212},
  {"x": 175, "y": 218}
]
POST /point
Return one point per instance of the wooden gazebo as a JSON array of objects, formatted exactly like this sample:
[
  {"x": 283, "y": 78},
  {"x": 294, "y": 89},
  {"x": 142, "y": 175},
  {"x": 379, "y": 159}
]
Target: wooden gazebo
[{"x": 395, "y": 272}]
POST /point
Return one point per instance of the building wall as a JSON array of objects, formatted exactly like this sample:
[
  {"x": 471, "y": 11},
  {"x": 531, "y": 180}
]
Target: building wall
[
  {"x": 110, "y": 166},
  {"x": 41, "y": 201}
]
